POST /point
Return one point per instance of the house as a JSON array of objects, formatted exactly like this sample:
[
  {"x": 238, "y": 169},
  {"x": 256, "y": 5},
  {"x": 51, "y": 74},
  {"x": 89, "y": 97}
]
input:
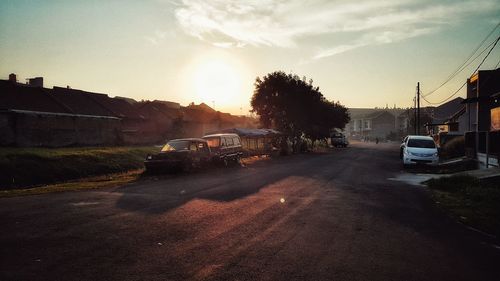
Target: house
[
  {"x": 448, "y": 121},
  {"x": 161, "y": 121},
  {"x": 131, "y": 121},
  {"x": 33, "y": 116},
  {"x": 200, "y": 119},
  {"x": 483, "y": 137},
  {"x": 372, "y": 124}
]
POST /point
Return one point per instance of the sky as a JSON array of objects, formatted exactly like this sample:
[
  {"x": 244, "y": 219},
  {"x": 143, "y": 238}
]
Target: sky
[{"x": 360, "y": 53}]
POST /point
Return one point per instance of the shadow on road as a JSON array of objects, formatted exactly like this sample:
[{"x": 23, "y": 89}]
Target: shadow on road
[{"x": 157, "y": 195}]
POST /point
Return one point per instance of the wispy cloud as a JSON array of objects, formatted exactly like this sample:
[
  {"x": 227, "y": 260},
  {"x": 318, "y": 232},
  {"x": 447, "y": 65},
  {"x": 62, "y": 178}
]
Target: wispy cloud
[
  {"x": 159, "y": 36},
  {"x": 281, "y": 23}
]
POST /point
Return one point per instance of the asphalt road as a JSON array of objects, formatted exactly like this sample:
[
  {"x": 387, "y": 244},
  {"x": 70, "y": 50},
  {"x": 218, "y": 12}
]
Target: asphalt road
[{"x": 330, "y": 216}]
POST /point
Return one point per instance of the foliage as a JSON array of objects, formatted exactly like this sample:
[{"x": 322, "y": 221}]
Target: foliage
[
  {"x": 453, "y": 148},
  {"x": 295, "y": 107},
  {"x": 22, "y": 167}
]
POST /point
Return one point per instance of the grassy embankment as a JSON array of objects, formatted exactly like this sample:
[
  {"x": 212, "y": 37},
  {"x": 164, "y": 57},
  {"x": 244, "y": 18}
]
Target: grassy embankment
[
  {"x": 469, "y": 200},
  {"x": 28, "y": 167}
]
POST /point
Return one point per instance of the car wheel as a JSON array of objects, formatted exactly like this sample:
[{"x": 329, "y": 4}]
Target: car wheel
[{"x": 225, "y": 162}]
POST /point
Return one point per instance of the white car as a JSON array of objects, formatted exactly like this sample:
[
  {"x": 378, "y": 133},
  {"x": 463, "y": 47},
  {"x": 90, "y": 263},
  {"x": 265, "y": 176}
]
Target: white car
[{"x": 419, "y": 150}]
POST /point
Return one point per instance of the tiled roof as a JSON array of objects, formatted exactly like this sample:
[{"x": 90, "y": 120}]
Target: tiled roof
[
  {"x": 447, "y": 110},
  {"x": 119, "y": 107},
  {"x": 80, "y": 102},
  {"x": 23, "y": 97},
  {"x": 197, "y": 115},
  {"x": 149, "y": 108}
]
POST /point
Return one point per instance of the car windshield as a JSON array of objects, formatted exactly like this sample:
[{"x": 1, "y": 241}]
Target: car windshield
[
  {"x": 421, "y": 143},
  {"x": 213, "y": 142},
  {"x": 176, "y": 146}
]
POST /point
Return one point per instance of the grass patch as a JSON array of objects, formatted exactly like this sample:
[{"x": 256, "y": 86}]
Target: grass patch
[
  {"x": 27, "y": 167},
  {"x": 112, "y": 180},
  {"x": 469, "y": 200}
]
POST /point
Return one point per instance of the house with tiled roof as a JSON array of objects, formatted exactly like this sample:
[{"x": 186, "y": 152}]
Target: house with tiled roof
[
  {"x": 88, "y": 102},
  {"x": 370, "y": 124},
  {"x": 34, "y": 116},
  {"x": 31, "y": 115},
  {"x": 161, "y": 120},
  {"x": 449, "y": 118}
]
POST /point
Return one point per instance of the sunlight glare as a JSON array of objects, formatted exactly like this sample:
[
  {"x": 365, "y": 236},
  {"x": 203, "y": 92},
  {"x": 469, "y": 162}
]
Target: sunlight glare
[{"x": 217, "y": 81}]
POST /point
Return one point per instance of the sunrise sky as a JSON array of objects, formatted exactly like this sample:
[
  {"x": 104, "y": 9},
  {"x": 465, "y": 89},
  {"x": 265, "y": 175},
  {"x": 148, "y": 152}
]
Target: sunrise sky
[{"x": 361, "y": 53}]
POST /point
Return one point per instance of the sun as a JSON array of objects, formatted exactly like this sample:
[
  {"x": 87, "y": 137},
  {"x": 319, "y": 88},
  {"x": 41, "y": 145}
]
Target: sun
[{"x": 217, "y": 82}]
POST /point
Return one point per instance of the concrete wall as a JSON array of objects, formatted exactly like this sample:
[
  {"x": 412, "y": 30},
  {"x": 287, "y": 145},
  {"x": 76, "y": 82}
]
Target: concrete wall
[
  {"x": 7, "y": 133},
  {"x": 28, "y": 129},
  {"x": 50, "y": 130}
]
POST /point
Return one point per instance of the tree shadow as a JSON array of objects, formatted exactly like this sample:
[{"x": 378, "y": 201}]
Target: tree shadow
[{"x": 158, "y": 194}]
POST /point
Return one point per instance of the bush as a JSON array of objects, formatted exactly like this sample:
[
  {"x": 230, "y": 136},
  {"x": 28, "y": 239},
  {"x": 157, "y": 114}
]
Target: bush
[{"x": 454, "y": 148}]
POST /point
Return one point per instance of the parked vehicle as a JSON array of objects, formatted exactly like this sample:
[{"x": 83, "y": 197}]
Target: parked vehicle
[
  {"x": 339, "y": 140},
  {"x": 179, "y": 154},
  {"x": 225, "y": 147},
  {"x": 419, "y": 150}
]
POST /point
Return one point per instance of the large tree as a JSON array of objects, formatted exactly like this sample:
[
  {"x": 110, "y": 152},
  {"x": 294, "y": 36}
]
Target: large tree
[{"x": 295, "y": 107}]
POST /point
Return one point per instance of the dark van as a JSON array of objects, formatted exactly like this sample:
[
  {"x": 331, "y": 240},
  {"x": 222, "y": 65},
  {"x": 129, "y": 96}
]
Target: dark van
[{"x": 226, "y": 147}]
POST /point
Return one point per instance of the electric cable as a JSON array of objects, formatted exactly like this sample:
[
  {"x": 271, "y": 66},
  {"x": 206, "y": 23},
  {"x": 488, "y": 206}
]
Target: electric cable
[{"x": 465, "y": 64}]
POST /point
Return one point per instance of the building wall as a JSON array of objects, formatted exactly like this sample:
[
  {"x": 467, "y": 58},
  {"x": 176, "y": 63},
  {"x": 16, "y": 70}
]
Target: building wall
[
  {"x": 7, "y": 133},
  {"x": 49, "y": 130},
  {"x": 382, "y": 125}
]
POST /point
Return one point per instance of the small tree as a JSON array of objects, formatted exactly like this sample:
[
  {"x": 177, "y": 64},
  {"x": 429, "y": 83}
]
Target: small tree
[{"x": 295, "y": 107}]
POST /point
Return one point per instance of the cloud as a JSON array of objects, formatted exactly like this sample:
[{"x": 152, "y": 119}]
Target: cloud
[
  {"x": 375, "y": 38},
  {"x": 283, "y": 23},
  {"x": 159, "y": 36}
]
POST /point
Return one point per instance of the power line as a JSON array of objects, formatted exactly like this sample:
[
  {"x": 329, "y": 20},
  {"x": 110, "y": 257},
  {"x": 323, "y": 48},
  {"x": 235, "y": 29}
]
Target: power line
[
  {"x": 474, "y": 59},
  {"x": 464, "y": 64},
  {"x": 446, "y": 99},
  {"x": 477, "y": 68}
]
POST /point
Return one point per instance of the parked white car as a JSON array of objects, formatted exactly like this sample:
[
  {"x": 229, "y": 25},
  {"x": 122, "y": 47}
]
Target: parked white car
[{"x": 419, "y": 150}]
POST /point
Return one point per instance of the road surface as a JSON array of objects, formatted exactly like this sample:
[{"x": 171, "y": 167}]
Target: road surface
[{"x": 328, "y": 216}]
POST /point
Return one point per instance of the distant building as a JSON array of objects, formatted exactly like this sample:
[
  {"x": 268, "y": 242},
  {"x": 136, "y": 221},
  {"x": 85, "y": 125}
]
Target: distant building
[{"x": 374, "y": 123}]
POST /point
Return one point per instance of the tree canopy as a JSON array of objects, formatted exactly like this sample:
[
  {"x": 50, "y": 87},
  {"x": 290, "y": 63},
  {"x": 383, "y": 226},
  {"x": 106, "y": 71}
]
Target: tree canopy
[{"x": 296, "y": 107}]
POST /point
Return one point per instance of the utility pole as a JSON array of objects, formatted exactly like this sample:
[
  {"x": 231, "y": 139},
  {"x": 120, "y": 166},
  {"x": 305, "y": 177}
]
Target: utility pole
[
  {"x": 415, "y": 115},
  {"x": 418, "y": 108}
]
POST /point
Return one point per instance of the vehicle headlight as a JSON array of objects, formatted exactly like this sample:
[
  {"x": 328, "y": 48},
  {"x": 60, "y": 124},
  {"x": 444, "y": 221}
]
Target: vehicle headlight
[
  {"x": 436, "y": 154},
  {"x": 149, "y": 157}
]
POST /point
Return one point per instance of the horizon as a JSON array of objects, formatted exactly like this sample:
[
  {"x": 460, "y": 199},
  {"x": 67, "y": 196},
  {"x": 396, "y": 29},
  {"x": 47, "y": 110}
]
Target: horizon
[{"x": 211, "y": 52}]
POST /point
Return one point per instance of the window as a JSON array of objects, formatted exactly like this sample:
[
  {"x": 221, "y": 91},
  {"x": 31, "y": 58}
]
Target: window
[
  {"x": 229, "y": 141},
  {"x": 421, "y": 143},
  {"x": 202, "y": 147},
  {"x": 176, "y": 145},
  {"x": 193, "y": 146},
  {"x": 213, "y": 142},
  {"x": 236, "y": 141}
]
